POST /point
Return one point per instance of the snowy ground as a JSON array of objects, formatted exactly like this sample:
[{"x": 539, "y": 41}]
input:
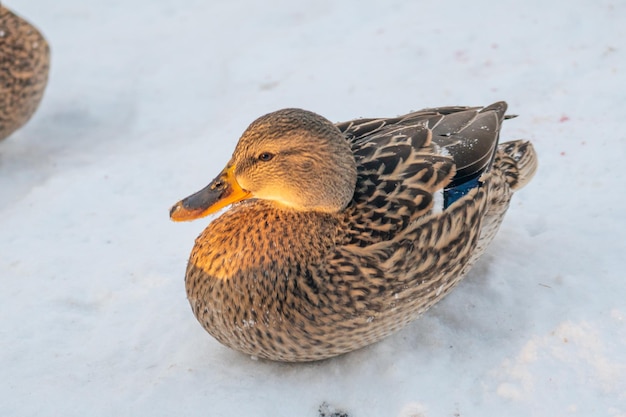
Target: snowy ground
[{"x": 146, "y": 101}]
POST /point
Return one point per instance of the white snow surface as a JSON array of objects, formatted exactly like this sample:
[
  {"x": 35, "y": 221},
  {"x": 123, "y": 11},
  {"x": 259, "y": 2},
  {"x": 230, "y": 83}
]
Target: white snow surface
[{"x": 145, "y": 103}]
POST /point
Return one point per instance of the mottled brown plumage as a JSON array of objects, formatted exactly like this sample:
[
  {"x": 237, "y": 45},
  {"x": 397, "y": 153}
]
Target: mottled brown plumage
[
  {"x": 24, "y": 64},
  {"x": 299, "y": 272}
]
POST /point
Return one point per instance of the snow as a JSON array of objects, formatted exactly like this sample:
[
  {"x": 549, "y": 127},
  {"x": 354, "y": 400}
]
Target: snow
[{"x": 145, "y": 103}]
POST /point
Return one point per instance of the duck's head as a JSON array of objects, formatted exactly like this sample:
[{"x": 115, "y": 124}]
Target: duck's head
[{"x": 293, "y": 157}]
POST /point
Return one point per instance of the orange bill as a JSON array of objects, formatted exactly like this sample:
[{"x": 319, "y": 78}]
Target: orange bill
[{"x": 221, "y": 192}]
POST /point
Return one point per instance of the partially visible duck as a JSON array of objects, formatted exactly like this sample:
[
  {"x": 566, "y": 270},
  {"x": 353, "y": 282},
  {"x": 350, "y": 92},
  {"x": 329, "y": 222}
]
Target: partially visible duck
[{"x": 24, "y": 64}]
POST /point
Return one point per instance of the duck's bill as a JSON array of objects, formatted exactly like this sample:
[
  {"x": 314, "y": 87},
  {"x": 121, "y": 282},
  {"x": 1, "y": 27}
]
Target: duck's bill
[{"x": 221, "y": 192}]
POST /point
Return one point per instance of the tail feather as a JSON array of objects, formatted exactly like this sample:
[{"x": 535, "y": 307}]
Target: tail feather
[{"x": 523, "y": 162}]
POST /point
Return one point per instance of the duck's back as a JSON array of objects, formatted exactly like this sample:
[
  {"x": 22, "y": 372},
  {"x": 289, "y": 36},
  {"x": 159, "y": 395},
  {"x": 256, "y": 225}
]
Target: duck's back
[
  {"x": 425, "y": 245},
  {"x": 418, "y": 164}
]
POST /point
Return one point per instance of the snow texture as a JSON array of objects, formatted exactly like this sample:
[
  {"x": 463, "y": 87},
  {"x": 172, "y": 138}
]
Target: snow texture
[{"x": 146, "y": 101}]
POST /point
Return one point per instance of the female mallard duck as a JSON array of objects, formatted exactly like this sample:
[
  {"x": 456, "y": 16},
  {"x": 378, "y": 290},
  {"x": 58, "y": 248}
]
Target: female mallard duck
[
  {"x": 345, "y": 233},
  {"x": 24, "y": 63}
]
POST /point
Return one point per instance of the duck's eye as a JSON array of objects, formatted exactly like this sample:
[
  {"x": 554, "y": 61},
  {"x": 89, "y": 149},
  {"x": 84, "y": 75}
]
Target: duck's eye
[{"x": 265, "y": 156}]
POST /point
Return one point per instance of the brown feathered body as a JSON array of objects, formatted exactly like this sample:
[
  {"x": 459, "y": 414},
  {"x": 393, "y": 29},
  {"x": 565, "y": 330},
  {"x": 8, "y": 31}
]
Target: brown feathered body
[
  {"x": 293, "y": 285},
  {"x": 24, "y": 65}
]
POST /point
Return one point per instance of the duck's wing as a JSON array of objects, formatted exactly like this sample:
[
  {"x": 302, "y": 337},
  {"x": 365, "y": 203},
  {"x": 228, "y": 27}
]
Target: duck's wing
[
  {"x": 470, "y": 137},
  {"x": 402, "y": 162}
]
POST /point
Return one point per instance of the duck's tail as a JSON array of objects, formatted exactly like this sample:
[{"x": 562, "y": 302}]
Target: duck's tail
[
  {"x": 515, "y": 164},
  {"x": 519, "y": 162}
]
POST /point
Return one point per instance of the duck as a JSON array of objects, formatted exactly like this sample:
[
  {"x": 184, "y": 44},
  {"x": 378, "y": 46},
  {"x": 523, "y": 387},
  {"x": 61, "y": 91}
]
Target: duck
[
  {"x": 24, "y": 67},
  {"x": 334, "y": 236}
]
